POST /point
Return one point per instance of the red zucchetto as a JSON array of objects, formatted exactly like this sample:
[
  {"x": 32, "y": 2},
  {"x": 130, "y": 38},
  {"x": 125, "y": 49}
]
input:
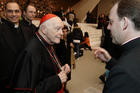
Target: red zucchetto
[{"x": 46, "y": 17}]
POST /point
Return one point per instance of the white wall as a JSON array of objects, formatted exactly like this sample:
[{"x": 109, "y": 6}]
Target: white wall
[
  {"x": 82, "y": 7},
  {"x": 104, "y": 6}
]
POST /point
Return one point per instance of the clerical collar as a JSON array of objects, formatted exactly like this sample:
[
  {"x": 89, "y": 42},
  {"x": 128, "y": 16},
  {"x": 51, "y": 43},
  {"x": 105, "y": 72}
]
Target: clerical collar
[
  {"x": 43, "y": 40},
  {"x": 11, "y": 24},
  {"x": 130, "y": 40},
  {"x": 16, "y": 25},
  {"x": 50, "y": 50},
  {"x": 131, "y": 44}
]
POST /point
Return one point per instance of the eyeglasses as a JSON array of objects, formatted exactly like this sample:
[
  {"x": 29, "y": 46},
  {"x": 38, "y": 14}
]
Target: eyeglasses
[
  {"x": 12, "y": 11},
  {"x": 111, "y": 21}
]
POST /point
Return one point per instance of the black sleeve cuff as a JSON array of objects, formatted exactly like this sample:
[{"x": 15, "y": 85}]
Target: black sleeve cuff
[{"x": 110, "y": 63}]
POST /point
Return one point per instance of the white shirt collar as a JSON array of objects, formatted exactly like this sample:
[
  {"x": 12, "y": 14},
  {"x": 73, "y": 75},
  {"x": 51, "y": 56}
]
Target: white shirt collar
[{"x": 130, "y": 40}]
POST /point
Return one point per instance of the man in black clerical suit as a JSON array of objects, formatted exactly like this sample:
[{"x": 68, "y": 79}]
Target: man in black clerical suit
[
  {"x": 29, "y": 14},
  {"x": 38, "y": 67},
  {"x": 13, "y": 39},
  {"x": 124, "y": 75}
]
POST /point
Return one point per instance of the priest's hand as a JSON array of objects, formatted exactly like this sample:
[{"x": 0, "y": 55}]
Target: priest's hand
[
  {"x": 63, "y": 76},
  {"x": 102, "y": 54},
  {"x": 66, "y": 68}
]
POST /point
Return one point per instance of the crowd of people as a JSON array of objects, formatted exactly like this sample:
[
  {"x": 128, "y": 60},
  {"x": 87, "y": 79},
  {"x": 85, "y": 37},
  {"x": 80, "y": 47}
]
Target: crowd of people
[
  {"x": 36, "y": 59},
  {"x": 40, "y": 59},
  {"x": 14, "y": 36},
  {"x": 28, "y": 59}
]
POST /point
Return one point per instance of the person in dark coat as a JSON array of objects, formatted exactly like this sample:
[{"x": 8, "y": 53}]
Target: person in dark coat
[
  {"x": 113, "y": 49},
  {"x": 62, "y": 48},
  {"x": 1, "y": 20},
  {"x": 77, "y": 39},
  {"x": 29, "y": 14},
  {"x": 86, "y": 43},
  {"x": 63, "y": 51},
  {"x": 71, "y": 17},
  {"x": 124, "y": 72},
  {"x": 38, "y": 67},
  {"x": 101, "y": 21},
  {"x": 89, "y": 18},
  {"x": 13, "y": 39}
]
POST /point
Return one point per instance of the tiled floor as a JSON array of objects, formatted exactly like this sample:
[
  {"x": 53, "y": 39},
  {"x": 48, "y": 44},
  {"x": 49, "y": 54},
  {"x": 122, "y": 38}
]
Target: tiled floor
[{"x": 88, "y": 68}]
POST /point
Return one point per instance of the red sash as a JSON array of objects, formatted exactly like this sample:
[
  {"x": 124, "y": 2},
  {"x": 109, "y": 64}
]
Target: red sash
[{"x": 61, "y": 90}]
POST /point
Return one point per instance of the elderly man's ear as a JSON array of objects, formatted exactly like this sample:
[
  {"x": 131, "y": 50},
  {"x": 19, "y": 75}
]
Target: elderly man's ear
[{"x": 43, "y": 29}]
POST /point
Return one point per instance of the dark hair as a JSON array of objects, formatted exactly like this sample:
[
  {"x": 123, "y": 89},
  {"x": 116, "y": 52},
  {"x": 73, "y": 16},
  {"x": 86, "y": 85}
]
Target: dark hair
[
  {"x": 11, "y": 1},
  {"x": 26, "y": 6},
  {"x": 76, "y": 25},
  {"x": 65, "y": 27},
  {"x": 86, "y": 34},
  {"x": 130, "y": 9}
]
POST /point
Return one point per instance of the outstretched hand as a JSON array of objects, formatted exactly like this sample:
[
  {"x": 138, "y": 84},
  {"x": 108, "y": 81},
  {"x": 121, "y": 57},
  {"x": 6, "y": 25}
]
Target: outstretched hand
[{"x": 102, "y": 54}]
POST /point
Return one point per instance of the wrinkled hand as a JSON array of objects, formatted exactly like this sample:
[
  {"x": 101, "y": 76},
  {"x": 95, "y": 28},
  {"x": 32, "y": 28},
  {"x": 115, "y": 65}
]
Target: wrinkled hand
[
  {"x": 66, "y": 68},
  {"x": 102, "y": 54},
  {"x": 63, "y": 76}
]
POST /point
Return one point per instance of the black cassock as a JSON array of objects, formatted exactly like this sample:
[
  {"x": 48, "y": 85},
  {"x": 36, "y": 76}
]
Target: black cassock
[{"x": 35, "y": 69}]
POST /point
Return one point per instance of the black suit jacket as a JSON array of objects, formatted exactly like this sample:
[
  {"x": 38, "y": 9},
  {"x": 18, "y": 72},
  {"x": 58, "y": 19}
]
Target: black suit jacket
[
  {"x": 124, "y": 76},
  {"x": 8, "y": 49},
  {"x": 36, "y": 69},
  {"x": 29, "y": 25}
]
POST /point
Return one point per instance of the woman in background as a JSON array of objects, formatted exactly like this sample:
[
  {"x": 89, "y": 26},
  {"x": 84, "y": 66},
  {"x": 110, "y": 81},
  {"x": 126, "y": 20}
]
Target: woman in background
[{"x": 86, "y": 43}]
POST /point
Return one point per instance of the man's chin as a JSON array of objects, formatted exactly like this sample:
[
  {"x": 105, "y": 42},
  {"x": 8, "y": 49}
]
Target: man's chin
[
  {"x": 115, "y": 42},
  {"x": 57, "y": 42},
  {"x": 14, "y": 22}
]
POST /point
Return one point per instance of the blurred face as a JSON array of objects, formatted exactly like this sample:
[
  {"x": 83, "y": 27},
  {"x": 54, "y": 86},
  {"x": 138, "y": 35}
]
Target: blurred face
[
  {"x": 53, "y": 30},
  {"x": 65, "y": 32},
  {"x": 30, "y": 12},
  {"x": 115, "y": 25},
  {"x": 13, "y": 12}
]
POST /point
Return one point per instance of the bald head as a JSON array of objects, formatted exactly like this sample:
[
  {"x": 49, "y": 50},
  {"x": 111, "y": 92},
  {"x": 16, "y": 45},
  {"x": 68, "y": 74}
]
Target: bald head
[{"x": 51, "y": 30}]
